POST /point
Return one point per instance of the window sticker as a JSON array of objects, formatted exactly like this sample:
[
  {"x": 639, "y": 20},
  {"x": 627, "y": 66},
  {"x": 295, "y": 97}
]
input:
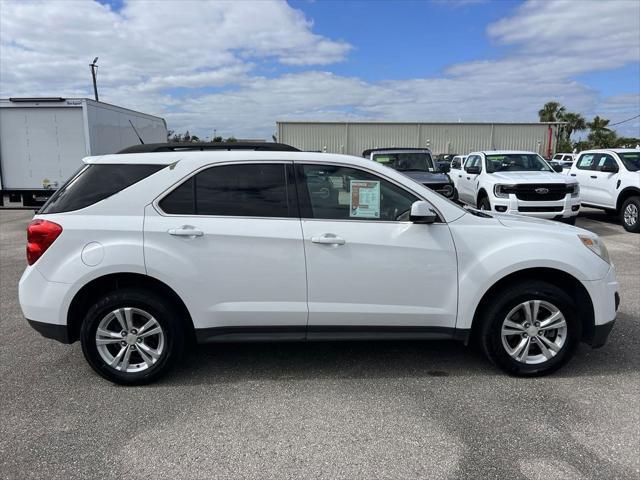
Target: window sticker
[
  {"x": 365, "y": 199},
  {"x": 586, "y": 161}
]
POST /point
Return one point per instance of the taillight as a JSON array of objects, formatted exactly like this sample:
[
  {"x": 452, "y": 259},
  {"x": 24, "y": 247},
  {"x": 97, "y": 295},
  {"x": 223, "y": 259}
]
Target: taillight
[{"x": 40, "y": 235}]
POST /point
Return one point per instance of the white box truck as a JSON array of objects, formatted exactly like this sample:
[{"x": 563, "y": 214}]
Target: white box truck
[{"x": 43, "y": 140}]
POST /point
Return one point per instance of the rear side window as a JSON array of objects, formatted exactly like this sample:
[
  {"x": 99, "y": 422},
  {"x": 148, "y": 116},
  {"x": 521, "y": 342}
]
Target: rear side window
[
  {"x": 246, "y": 190},
  {"x": 94, "y": 183}
]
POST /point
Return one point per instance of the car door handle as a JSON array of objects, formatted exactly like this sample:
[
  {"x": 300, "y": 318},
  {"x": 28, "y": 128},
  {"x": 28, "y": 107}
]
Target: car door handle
[
  {"x": 328, "y": 239},
  {"x": 573, "y": 174},
  {"x": 185, "y": 231},
  {"x": 594, "y": 176}
]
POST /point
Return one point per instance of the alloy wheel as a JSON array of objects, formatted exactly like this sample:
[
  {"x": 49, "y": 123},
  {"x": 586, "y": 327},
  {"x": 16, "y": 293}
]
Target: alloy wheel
[
  {"x": 631, "y": 214},
  {"x": 534, "y": 332},
  {"x": 130, "y": 340}
]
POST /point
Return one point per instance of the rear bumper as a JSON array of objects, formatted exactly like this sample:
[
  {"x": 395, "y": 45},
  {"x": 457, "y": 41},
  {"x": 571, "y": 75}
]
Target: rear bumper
[{"x": 51, "y": 330}]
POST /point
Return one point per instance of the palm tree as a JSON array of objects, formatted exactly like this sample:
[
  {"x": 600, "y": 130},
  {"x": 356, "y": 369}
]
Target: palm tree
[
  {"x": 551, "y": 112},
  {"x": 601, "y": 136},
  {"x": 575, "y": 123}
]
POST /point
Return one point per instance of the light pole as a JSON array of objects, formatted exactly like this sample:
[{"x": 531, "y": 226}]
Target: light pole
[{"x": 94, "y": 73}]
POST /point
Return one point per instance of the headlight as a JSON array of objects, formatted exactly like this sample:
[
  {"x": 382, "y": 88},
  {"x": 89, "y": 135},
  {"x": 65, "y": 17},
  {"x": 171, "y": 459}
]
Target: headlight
[
  {"x": 596, "y": 245},
  {"x": 503, "y": 191},
  {"x": 574, "y": 189}
]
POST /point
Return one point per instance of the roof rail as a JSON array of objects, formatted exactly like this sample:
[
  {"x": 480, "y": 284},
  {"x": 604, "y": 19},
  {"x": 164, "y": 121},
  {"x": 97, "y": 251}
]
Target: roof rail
[
  {"x": 181, "y": 147},
  {"x": 369, "y": 151}
]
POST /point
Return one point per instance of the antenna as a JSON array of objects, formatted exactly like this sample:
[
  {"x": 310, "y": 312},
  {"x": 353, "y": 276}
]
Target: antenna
[{"x": 137, "y": 134}]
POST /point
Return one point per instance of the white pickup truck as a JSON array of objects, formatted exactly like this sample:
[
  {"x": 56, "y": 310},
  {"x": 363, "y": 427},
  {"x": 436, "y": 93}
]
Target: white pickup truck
[
  {"x": 516, "y": 182},
  {"x": 610, "y": 179}
]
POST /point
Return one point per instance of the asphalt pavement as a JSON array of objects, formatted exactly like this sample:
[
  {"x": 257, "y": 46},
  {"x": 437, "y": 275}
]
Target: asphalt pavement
[{"x": 351, "y": 410}]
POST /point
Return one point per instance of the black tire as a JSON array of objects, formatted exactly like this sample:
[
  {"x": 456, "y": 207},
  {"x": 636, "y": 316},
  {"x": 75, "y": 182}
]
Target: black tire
[
  {"x": 165, "y": 315},
  {"x": 484, "y": 204},
  {"x": 570, "y": 220},
  {"x": 630, "y": 203},
  {"x": 493, "y": 317}
]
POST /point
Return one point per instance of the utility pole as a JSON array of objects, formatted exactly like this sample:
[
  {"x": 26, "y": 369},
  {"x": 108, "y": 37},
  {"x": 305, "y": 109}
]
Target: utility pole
[{"x": 94, "y": 74}]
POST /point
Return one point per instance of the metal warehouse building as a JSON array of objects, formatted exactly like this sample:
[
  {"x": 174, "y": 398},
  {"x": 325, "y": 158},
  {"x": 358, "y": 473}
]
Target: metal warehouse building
[{"x": 354, "y": 137}]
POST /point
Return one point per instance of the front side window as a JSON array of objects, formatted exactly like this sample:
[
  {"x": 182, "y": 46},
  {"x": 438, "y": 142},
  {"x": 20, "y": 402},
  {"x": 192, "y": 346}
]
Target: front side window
[
  {"x": 516, "y": 162},
  {"x": 243, "y": 190},
  {"x": 606, "y": 161},
  {"x": 343, "y": 193},
  {"x": 406, "y": 161},
  {"x": 455, "y": 163},
  {"x": 587, "y": 162},
  {"x": 631, "y": 160},
  {"x": 473, "y": 161}
]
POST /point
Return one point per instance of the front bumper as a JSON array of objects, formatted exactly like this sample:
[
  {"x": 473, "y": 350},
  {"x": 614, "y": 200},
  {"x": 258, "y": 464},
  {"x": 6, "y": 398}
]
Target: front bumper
[
  {"x": 606, "y": 300},
  {"x": 554, "y": 210}
]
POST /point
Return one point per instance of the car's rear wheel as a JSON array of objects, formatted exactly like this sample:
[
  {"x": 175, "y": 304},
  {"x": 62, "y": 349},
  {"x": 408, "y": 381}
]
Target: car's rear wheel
[
  {"x": 531, "y": 329},
  {"x": 131, "y": 336},
  {"x": 630, "y": 214}
]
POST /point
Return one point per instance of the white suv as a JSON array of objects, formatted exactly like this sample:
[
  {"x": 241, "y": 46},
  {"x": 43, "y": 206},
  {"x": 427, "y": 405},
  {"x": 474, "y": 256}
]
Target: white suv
[
  {"x": 516, "y": 182},
  {"x": 610, "y": 179},
  {"x": 141, "y": 252}
]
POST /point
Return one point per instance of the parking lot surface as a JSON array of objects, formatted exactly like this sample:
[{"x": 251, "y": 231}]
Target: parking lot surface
[{"x": 325, "y": 410}]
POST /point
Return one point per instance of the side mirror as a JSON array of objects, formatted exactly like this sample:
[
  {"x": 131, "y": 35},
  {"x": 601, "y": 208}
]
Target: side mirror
[
  {"x": 609, "y": 168},
  {"x": 445, "y": 167},
  {"x": 421, "y": 212},
  {"x": 475, "y": 170},
  {"x": 556, "y": 167}
]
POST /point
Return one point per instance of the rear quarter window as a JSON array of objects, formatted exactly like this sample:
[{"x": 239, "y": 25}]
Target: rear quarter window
[{"x": 94, "y": 183}]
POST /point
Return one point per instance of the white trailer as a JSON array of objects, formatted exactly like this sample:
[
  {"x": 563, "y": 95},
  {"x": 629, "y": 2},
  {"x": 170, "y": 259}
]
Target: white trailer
[{"x": 43, "y": 140}]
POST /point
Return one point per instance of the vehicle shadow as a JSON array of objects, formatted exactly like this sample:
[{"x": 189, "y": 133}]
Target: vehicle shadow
[
  {"x": 599, "y": 222},
  {"x": 228, "y": 363}
]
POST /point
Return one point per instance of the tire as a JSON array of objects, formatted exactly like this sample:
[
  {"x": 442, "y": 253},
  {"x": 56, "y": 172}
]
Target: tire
[
  {"x": 484, "y": 204},
  {"x": 570, "y": 220},
  {"x": 509, "y": 306},
  {"x": 630, "y": 214},
  {"x": 147, "y": 357}
]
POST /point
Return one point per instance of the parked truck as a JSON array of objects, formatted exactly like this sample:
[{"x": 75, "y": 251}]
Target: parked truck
[{"x": 43, "y": 141}]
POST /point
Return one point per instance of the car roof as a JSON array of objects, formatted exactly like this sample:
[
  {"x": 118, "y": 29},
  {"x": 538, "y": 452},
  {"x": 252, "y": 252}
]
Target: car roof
[
  {"x": 369, "y": 151},
  {"x": 615, "y": 150},
  {"x": 501, "y": 152}
]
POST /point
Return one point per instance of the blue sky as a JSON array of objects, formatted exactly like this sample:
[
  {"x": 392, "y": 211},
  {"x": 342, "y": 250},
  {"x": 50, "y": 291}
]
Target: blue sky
[{"x": 240, "y": 66}]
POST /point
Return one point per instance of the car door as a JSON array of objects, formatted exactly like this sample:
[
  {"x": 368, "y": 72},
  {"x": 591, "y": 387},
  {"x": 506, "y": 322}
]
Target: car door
[
  {"x": 467, "y": 181},
  {"x": 605, "y": 183},
  {"x": 585, "y": 171},
  {"x": 369, "y": 270},
  {"x": 455, "y": 170},
  {"x": 229, "y": 241}
]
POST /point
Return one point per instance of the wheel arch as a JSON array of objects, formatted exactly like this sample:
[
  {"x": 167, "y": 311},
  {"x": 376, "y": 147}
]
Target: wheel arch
[
  {"x": 98, "y": 287},
  {"x": 482, "y": 193},
  {"x": 625, "y": 194},
  {"x": 561, "y": 279}
]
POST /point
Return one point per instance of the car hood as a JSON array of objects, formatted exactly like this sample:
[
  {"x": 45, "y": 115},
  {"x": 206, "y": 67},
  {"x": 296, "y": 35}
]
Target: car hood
[
  {"x": 428, "y": 177},
  {"x": 520, "y": 221},
  {"x": 532, "y": 177}
]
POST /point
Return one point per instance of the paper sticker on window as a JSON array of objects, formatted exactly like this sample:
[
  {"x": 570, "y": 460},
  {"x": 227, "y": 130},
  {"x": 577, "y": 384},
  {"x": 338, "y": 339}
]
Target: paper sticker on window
[{"x": 365, "y": 199}]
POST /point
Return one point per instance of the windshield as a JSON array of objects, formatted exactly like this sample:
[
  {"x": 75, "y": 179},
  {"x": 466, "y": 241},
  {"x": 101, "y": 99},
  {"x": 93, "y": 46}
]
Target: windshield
[
  {"x": 406, "y": 161},
  {"x": 516, "y": 162},
  {"x": 631, "y": 160}
]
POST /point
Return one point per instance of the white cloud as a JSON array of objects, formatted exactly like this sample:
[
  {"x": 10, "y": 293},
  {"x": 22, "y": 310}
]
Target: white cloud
[{"x": 146, "y": 49}]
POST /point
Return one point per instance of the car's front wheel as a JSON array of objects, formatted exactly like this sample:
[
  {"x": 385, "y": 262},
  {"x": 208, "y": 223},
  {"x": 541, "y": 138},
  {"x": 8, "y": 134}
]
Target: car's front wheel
[
  {"x": 531, "y": 329},
  {"x": 484, "y": 204},
  {"x": 630, "y": 214},
  {"x": 131, "y": 336}
]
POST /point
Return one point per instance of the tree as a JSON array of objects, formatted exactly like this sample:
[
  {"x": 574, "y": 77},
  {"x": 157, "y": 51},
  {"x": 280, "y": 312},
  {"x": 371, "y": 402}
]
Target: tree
[
  {"x": 600, "y": 135},
  {"x": 217, "y": 139},
  {"x": 575, "y": 123},
  {"x": 231, "y": 140},
  {"x": 551, "y": 112}
]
